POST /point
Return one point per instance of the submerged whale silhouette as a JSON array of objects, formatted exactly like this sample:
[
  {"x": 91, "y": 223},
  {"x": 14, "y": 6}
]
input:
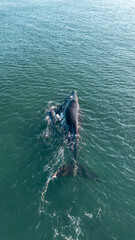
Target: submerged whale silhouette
[{"x": 67, "y": 114}]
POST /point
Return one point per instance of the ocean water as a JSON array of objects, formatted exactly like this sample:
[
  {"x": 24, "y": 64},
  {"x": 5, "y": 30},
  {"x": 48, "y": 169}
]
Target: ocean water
[{"x": 47, "y": 49}]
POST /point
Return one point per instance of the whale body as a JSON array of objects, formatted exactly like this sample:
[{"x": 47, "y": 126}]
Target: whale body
[{"x": 67, "y": 114}]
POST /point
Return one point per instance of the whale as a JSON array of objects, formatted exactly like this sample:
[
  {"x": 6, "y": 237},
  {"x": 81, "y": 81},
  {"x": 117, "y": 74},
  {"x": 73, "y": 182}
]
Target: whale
[{"x": 67, "y": 115}]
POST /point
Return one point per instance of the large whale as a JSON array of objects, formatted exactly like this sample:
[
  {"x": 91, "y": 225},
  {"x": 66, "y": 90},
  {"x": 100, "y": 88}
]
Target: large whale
[{"x": 67, "y": 114}]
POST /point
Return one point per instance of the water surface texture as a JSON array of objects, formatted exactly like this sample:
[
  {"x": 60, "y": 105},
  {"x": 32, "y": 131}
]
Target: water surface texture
[{"x": 47, "y": 49}]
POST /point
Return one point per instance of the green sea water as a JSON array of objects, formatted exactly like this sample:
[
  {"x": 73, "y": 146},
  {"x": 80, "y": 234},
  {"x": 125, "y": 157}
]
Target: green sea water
[{"x": 47, "y": 49}]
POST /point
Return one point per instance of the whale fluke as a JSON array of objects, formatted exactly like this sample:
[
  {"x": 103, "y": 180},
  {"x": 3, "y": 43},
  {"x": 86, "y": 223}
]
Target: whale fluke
[
  {"x": 71, "y": 169},
  {"x": 87, "y": 173}
]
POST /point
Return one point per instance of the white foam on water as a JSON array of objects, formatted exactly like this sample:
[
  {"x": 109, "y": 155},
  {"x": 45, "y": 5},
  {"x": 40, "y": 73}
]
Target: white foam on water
[{"x": 89, "y": 215}]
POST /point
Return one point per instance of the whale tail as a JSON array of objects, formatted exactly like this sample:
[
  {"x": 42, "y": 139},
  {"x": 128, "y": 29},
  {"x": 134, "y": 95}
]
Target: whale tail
[
  {"x": 87, "y": 173},
  {"x": 76, "y": 169}
]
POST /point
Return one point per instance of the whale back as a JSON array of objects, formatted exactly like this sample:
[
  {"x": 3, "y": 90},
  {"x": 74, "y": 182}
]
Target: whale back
[{"x": 71, "y": 116}]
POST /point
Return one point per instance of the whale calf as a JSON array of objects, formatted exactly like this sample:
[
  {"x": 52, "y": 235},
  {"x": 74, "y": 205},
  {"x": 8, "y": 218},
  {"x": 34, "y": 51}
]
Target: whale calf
[{"x": 67, "y": 115}]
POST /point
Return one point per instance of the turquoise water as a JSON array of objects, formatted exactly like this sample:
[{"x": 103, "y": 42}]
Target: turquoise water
[{"x": 47, "y": 49}]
